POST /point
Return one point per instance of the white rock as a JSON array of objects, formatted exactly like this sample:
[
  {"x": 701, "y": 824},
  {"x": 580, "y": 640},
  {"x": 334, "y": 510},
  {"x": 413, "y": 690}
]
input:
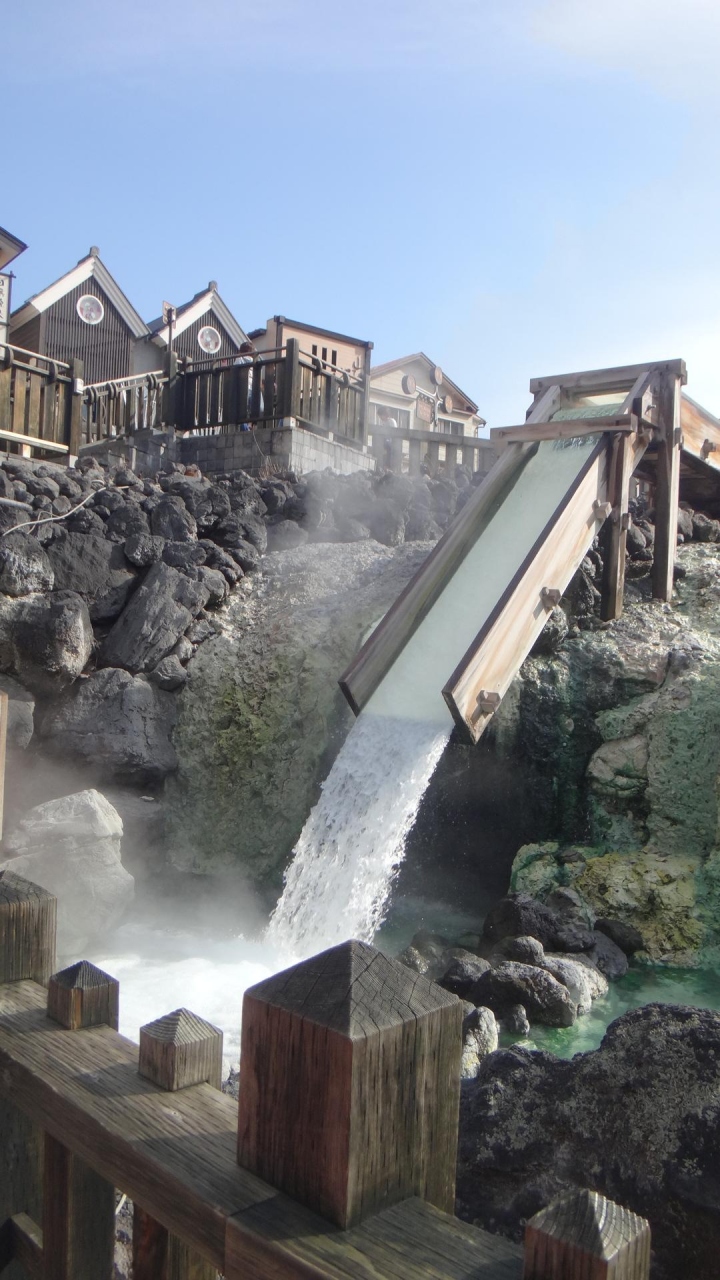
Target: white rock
[
  {"x": 480, "y": 1037},
  {"x": 584, "y": 982},
  {"x": 71, "y": 847}
]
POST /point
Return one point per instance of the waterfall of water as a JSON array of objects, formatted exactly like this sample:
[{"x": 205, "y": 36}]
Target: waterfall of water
[
  {"x": 342, "y": 869},
  {"x": 343, "y": 864}
]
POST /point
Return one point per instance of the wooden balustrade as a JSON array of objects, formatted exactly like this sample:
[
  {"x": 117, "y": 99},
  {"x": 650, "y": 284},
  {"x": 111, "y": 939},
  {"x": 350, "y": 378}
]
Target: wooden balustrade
[
  {"x": 430, "y": 451},
  {"x": 40, "y": 402},
  {"x": 340, "y": 1160}
]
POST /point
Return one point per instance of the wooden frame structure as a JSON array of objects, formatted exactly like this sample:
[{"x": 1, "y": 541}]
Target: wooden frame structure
[
  {"x": 645, "y": 426},
  {"x": 347, "y": 1043}
]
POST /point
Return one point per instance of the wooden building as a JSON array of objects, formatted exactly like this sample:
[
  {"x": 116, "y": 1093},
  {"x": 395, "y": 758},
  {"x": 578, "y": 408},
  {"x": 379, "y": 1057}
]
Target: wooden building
[
  {"x": 419, "y": 396},
  {"x": 10, "y": 249},
  {"x": 84, "y": 315},
  {"x": 334, "y": 350},
  {"x": 204, "y": 327}
]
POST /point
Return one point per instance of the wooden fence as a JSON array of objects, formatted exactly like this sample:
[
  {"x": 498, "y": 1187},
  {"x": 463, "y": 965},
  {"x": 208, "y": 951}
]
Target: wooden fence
[
  {"x": 338, "y": 1163},
  {"x": 40, "y": 402},
  {"x": 411, "y": 450}
]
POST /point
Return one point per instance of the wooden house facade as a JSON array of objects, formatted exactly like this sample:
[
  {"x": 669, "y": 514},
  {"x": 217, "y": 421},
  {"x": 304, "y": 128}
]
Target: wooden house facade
[
  {"x": 334, "y": 350},
  {"x": 84, "y": 315},
  {"x": 420, "y": 396},
  {"x": 204, "y": 328}
]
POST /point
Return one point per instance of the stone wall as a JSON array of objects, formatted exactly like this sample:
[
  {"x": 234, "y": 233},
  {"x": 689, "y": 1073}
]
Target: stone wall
[{"x": 282, "y": 448}]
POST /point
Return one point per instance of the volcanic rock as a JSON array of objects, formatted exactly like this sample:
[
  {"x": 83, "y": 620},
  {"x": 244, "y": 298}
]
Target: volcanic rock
[
  {"x": 157, "y": 615},
  {"x": 94, "y": 568},
  {"x": 24, "y": 566}
]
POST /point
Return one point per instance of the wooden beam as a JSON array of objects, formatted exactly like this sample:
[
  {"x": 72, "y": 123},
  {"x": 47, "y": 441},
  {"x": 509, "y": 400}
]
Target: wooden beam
[
  {"x": 83, "y": 996},
  {"x": 78, "y": 1218},
  {"x": 495, "y": 656},
  {"x": 410, "y": 1241},
  {"x": 616, "y": 379},
  {"x": 667, "y": 486},
  {"x": 584, "y": 1236},
  {"x": 564, "y": 429},
  {"x": 350, "y": 1084},
  {"x": 22, "y": 1240},
  {"x": 626, "y": 453},
  {"x": 48, "y": 445},
  {"x": 700, "y": 432}
]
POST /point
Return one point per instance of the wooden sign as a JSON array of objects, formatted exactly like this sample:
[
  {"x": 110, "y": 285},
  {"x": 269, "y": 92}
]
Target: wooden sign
[{"x": 424, "y": 409}]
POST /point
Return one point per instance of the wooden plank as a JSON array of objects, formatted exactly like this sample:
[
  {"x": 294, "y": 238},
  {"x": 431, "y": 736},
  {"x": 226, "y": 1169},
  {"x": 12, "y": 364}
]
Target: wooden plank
[
  {"x": 498, "y": 651},
  {"x": 566, "y": 429},
  {"x": 700, "y": 432},
  {"x": 175, "y": 1155},
  {"x": 667, "y": 487},
  {"x": 4, "y": 707},
  {"x": 35, "y": 381},
  {"x": 21, "y": 1248},
  {"x": 410, "y": 1241},
  {"x": 415, "y": 459},
  {"x": 48, "y": 445},
  {"x": 626, "y": 454},
  {"x": 350, "y": 1070},
  {"x": 78, "y": 1218},
  {"x": 615, "y": 379},
  {"x": 83, "y": 996},
  {"x": 6, "y": 377},
  {"x": 377, "y": 655},
  {"x": 19, "y": 402}
]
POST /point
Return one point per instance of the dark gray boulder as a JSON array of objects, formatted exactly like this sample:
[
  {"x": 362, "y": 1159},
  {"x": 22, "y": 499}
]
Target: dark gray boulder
[
  {"x": 119, "y": 725},
  {"x": 247, "y": 556},
  {"x": 108, "y": 500},
  {"x": 636, "y": 1120},
  {"x": 241, "y": 527},
  {"x": 518, "y": 915},
  {"x": 96, "y": 569},
  {"x": 159, "y": 612},
  {"x": 211, "y": 506},
  {"x": 144, "y": 549},
  {"x": 515, "y": 1020},
  {"x": 45, "y": 641},
  {"x": 462, "y": 974},
  {"x": 126, "y": 521},
  {"x": 171, "y": 519},
  {"x": 285, "y": 535},
  {"x": 625, "y": 936},
  {"x": 24, "y": 565},
  {"x": 545, "y": 999},
  {"x": 85, "y": 521},
  {"x": 169, "y": 674},
  {"x": 523, "y": 949},
  {"x": 182, "y": 554},
  {"x": 607, "y": 956}
]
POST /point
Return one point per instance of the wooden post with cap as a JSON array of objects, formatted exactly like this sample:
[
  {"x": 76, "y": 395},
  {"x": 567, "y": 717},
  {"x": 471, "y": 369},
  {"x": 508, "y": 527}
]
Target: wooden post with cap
[{"x": 584, "y": 1236}]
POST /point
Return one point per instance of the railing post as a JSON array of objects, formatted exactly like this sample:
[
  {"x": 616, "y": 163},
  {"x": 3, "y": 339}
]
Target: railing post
[
  {"x": 583, "y": 1236},
  {"x": 291, "y": 383},
  {"x": 667, "y": 488},
  {"x": 350, "y": 1086},
  {"x": 78, "y": 1205},
  {"x": 27, "y": 951},
  {"x": 176, "y": 1051},
  {"x": 74, "y": 408},
  {"x": 169, "y": 412}
]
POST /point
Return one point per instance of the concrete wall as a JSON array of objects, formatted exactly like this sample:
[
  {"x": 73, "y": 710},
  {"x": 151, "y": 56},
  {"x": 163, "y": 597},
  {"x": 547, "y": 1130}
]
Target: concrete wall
[{"x": 287, "y": 448}]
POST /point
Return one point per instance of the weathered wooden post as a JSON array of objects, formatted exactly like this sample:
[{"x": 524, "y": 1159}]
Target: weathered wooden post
[
  {"x": 27, "y": 951},
  {"x": 350, "y": 1085},
  {"x": 176, "y": 1051},
  {"x": 583, "y": 1236},
  {"x": 78, "y": 1205},
  {"x": 291, "y": 380},
  {"x": 667, "y": 489},
  {"x": 74, "y": 408}
]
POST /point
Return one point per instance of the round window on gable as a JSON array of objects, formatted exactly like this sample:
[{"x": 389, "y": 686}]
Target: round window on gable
[
  {"x": 90, "y": 309},
  {"x": 209, "y": 340}
]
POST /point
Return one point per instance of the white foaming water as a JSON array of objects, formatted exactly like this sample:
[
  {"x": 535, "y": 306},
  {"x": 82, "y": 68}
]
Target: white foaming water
[{"x": 337, "y": 883}]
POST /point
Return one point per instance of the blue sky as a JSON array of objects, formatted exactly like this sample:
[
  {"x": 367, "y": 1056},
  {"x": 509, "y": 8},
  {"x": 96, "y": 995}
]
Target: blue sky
[{"x": 516, "y": 187}]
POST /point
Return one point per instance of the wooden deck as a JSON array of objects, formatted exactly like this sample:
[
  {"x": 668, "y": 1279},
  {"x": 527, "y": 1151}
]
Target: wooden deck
[{"x": 176, "y": 1155}]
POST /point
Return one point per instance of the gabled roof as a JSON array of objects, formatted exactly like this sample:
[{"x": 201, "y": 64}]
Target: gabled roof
[
  {"x": 316, "y": 329},
  {"x": 89, "y": 268},
  {"x": 10, "y": 248},
  {"x": 420, "y": 355},
  {"x": 208, "y": 300}
]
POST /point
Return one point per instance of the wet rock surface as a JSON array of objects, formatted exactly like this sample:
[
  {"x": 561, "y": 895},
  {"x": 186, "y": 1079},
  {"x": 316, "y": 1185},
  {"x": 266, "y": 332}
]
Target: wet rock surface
[{"x": 636, "y": 1119}]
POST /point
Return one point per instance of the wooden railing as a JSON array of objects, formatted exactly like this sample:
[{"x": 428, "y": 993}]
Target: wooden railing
[
  {"x": 129, "y": 404},
  {"x": 40, "y": 401},
  {"x": 406, "y": 449},
  {"x": 273, "y": 386},
  {"x": 339, "y": 1161}
]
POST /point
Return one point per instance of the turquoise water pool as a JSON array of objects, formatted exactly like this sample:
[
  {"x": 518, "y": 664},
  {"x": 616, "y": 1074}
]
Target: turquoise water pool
[{"x": 641, "y": 985}]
